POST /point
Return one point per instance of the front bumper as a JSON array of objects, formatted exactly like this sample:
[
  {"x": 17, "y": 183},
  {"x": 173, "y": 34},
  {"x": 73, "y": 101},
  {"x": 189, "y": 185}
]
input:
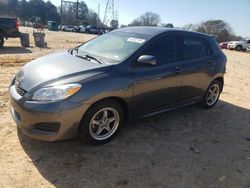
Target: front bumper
[
  {"x": 46, "y": 121},
  {"x": 231, "y": 46}
]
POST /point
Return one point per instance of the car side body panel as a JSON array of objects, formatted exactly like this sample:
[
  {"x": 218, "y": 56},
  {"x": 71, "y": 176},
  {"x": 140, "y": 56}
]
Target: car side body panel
[{"x": 144, "y": 90}]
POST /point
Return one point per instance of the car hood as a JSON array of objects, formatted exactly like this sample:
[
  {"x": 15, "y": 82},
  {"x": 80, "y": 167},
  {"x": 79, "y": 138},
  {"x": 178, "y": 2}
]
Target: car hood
[{"x": 52, "y": 68}]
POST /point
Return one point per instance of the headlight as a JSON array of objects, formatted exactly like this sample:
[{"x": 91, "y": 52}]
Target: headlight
[{"x": 56, "y": 92}]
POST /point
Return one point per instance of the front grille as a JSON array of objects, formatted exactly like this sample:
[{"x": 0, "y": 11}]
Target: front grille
[{"x": 19, "y": 90}]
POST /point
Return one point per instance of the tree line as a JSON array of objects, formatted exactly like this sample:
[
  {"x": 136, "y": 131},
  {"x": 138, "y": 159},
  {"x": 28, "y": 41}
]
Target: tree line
[
  {"x": 218, "y": 28},
  {"x": 28, "y": 10}
]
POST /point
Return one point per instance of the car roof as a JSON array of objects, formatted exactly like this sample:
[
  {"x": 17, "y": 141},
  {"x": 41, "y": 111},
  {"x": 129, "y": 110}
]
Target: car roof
[{"x": 153, "y": 31}]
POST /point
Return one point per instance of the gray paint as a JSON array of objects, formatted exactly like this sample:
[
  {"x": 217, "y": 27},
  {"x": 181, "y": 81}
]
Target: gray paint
[{"x": 146, "y": 90}]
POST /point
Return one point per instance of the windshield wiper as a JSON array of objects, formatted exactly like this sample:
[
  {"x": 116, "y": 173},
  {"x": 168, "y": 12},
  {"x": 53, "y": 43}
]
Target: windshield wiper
[
  {"x": 95, "y": 59},
  {"x": 82, "y": 57},
  {"x": 89, "y": 57}
]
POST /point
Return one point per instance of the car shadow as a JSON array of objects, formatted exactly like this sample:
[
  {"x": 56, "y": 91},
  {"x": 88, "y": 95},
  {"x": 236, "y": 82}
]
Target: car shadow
[
  {"x": 14, "y": 50},
  {"x": 185, "y": 147}
]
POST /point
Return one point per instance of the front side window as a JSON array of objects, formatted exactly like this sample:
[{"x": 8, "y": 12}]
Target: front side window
[
  {"x": 193, "y": 48},
  {"x": 165, "y": 49}
]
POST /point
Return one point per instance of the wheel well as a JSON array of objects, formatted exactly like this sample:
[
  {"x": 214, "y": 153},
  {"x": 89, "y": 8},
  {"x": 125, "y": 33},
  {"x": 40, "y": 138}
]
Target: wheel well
[
  {"x": 221, "y": 80},
  {"x": 123, "y": 104}
]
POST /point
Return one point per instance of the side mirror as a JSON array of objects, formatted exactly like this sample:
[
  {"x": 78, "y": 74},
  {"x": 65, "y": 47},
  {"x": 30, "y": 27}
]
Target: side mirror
[{"x": 147, "y": 60}]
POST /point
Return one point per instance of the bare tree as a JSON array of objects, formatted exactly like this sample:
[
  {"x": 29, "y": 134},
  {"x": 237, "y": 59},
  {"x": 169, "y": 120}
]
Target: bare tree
[
  {"x": 190, "y": 27},
  {"x": 218, "y": 28},
  {"x": 169, "y": 25},
  {"x": 147, "y": 19}
]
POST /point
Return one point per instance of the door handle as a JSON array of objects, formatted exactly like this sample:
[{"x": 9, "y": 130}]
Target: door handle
[
  {"x": 210, "y": 61},
  {"x": 177, "y": 68}
]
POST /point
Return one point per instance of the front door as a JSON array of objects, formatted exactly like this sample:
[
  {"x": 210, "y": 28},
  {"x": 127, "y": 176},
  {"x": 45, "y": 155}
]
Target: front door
[{"x": 157, "y": 86}]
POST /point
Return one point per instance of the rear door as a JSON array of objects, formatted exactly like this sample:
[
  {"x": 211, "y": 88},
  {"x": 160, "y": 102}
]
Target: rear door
[
  {"x": 7, "y": 25},
  {"x": 198, "y": 65},
  {"x": 157, "y": 86}
]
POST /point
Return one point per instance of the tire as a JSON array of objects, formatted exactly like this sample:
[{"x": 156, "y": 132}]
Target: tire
[
  {"x": 94, "y": 122},
  {"x": 209, "y": 103},
  {"x": 238, "y": 48},
  {"x": 1, "y": 42}
]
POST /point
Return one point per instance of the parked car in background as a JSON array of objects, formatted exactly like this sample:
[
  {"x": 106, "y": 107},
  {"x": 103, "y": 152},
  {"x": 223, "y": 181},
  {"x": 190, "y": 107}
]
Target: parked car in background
[
  {"x": 82, "y": 29},
  {"x": 223, "y": 45},
  {"x": 52, "y": 26},
  {"x": 9, "y": 28},
  {"x": 92, "y": 29},
  {"x": 248, "y": 48},
  {"x": 61, "y": 26},
  {"x": 128, "y": 73},
  {"x": 77, "y": 29},
  {"x": 239, "y": 45},
  {"x": 69, "y": 28}
]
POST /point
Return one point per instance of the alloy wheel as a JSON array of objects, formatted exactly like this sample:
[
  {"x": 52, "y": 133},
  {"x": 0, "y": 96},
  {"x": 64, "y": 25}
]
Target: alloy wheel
[
  {"x": 104, "y": 123},
  {"x": 213, "y": 94}
]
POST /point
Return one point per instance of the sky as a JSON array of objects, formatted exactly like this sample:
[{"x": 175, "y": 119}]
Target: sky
[{"x": 181, "y": 12}]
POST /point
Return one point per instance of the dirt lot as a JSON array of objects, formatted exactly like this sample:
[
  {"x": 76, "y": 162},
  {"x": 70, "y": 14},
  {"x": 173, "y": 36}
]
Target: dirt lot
[{"x": 155, "y": 152}]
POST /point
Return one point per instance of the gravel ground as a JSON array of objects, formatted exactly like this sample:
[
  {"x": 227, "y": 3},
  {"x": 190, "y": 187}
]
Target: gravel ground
[{"x": 188, "y": 147}]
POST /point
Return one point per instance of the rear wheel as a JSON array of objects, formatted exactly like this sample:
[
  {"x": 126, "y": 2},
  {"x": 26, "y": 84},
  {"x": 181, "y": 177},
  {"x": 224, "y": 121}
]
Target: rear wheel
[
  {"x": 101, "y": 122},
  {"x": 1, "y": 42},
  {"x": 212, "y": 94}
]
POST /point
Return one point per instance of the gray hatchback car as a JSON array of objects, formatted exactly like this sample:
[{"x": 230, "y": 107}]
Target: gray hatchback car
[{"x": 93, "y": 89}]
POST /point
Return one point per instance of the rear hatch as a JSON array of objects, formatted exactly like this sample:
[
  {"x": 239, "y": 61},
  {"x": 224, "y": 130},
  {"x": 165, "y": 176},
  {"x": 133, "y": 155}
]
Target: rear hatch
[{"x": 9, "y": 27}]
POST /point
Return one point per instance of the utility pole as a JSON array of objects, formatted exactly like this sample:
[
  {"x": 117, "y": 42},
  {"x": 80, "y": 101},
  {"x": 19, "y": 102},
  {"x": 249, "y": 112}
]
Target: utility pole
[
  {"x": 109, "y": 12},
  {"x": 113, "y": 11},
  {"x": 61, "y": 12},
  {"x": 77, "y": 4},
  {"x": 98, "y": 10},
  {"x": 105, "y": 14}
]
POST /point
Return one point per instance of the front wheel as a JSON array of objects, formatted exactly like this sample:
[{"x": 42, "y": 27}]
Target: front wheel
[
  {"x": 101, "y": 122},
  {"x": 212, "y": 94},
  {"x": 238, "y": 48}
]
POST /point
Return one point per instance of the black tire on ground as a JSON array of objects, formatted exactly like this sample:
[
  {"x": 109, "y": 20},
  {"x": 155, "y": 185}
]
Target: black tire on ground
[
  {"x": 1, "y": 42},
  {"x": 238, "y": 48},
  {"x": 204, "y": 103},
  {"x": 84, "y": 128}
]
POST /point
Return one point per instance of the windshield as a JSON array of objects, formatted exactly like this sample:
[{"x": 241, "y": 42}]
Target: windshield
[
  {"x": 243, "y": 40},
  {"x": 113, "y": 47}
]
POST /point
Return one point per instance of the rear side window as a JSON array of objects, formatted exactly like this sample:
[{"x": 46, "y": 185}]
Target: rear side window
[
  {"x": 165, "y": 49},
  {"x": 194, "y": 48}
]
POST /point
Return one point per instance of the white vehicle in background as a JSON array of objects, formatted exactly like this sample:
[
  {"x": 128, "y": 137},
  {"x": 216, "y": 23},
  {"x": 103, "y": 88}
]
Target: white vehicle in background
[
  {"x": 248, "y": 48},
  {"x": 81, "y": 29},
  {"x": 69, "y": 28},
  {"x": 239, "y": 45}
]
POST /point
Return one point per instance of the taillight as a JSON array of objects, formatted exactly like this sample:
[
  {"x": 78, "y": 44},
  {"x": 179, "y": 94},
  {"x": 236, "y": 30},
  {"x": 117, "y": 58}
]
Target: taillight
[{"x": 17, "y": 23}]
